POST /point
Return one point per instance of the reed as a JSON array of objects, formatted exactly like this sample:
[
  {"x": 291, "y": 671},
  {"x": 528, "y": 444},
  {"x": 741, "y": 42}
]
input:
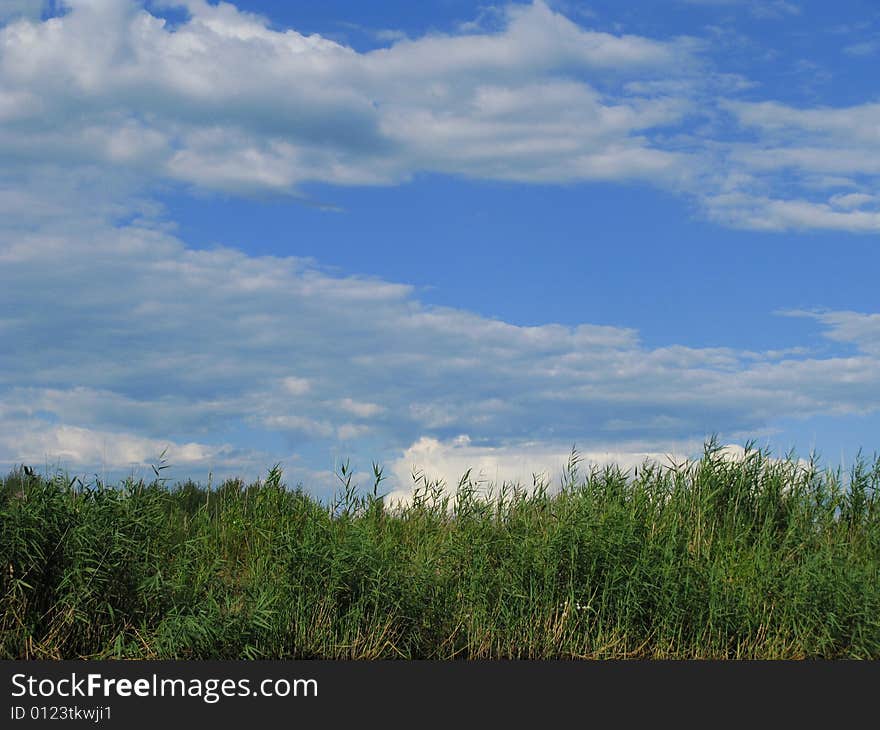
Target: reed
[{"x": 715, "y": 558}]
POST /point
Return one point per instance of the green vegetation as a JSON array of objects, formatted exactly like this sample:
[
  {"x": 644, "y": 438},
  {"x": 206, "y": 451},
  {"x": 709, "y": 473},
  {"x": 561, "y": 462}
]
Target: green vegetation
[{"x": 718, "y": 558}]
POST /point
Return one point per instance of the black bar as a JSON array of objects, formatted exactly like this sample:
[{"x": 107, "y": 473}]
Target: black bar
[{"x": 407, "y": 693}]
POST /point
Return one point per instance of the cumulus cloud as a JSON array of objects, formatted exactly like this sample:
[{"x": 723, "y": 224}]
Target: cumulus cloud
[
  {"x": 225, "y": 101},
  {"x": 526, "y": 465},
  {"x": 31, "y": 439},
  {"x": 453, "y": 463}
]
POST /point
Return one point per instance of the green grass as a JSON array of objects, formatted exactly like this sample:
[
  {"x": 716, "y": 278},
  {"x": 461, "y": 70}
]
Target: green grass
[{"x": 752, "y": 558}]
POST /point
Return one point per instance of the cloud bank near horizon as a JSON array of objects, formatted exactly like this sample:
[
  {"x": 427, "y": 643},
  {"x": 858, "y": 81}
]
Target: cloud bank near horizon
[{"x": 125, "y": 337}]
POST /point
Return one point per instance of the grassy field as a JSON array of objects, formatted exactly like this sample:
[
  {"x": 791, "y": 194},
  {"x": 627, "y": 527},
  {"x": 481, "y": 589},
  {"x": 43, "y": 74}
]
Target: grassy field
[{"x": 717, "y": 558}]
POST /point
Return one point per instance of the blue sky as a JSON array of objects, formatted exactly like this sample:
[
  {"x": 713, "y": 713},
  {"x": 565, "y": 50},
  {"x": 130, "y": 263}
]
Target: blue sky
[{"x": 437, "y": 235}]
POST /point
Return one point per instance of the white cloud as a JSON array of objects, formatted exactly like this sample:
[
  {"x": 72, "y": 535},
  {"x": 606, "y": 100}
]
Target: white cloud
[
  {"x": 73, "y": 445},
  {"x": 774, "y": 9},
  {"x": 310, "y": 427},
  {"x": 768, "y": 214},
  {"x": 856, "y": 328},
  {"x": 827, "y": 124},
  {"x": 360, "y": 409},
  {"x": 764, "y": 9},
  {"x": 295, "y": 385},
  {"x": 804, "y": 169},
  {"x": 226, "y": 102},
  {"x": 348, "y": 431},
  {"x": 451, "y": 462},
  {"x": 851, "y": 201},
  {"x": 526, "y": 464},
  {"x": 185, "y": 347}
]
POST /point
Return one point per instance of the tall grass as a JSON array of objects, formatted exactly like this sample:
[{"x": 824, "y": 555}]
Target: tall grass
[{"x": 717, "y": 558}]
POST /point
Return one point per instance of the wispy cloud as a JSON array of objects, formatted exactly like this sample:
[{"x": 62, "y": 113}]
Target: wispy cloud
[
  {"x": 863, "y": 48},
  {"x": 854, "y": 328},
  {"x": 763, "y": 9},
  {"x": 803, "y": 169}
]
